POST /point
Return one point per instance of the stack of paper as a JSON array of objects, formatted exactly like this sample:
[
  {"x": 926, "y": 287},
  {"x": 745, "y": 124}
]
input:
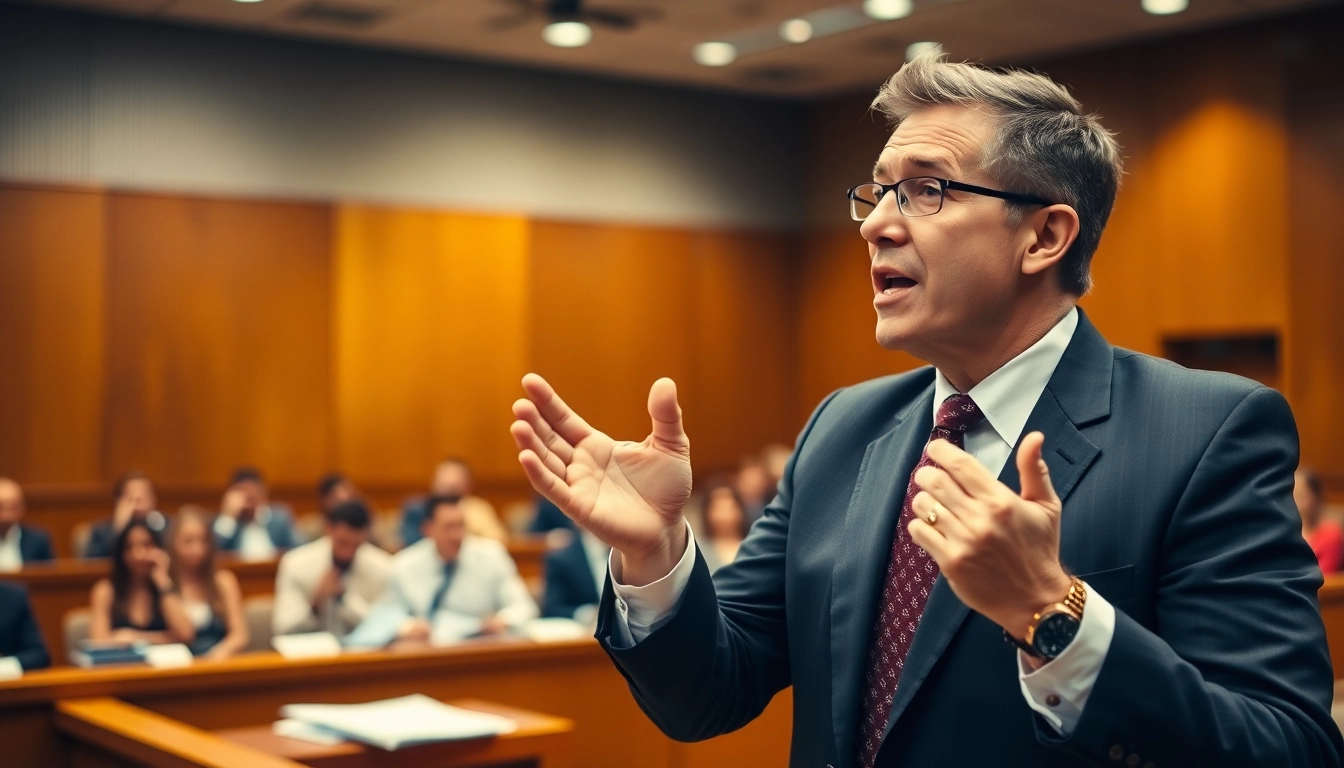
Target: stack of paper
[
  {"x": 400, "y": 722},
  {"x": 96, "y": 653}
]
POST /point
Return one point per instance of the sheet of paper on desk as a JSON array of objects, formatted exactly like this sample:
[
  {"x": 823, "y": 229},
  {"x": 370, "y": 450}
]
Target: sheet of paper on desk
[{"x": 400, "y": 722}]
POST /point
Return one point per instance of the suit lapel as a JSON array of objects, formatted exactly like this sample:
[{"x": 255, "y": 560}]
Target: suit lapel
[
  {"x": 869, "y": 527},
  {"x": 1078, "y": 393}
]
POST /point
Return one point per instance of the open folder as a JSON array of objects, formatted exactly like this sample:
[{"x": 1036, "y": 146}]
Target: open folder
[{"x": 400, "y": 722}]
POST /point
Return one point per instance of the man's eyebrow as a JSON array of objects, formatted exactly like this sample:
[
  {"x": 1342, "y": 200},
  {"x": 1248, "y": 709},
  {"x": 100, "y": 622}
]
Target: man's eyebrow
[{"x": 931, "y": 164}]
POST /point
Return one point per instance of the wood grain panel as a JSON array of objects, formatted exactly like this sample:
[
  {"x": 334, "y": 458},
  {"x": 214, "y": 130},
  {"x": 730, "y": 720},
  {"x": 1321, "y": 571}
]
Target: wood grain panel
[
  {"x": 51, "y": 334},
  {"x": 742, "y": 392},
  {"x": 431, "y": 339},
  {"x": 838, "y": 325},
  {"x": 612, "y": 312},
  {"x": 218, "y": 317}
]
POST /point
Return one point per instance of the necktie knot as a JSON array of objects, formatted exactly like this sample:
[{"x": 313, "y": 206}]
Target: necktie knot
[{"x": 959, "y": 413}]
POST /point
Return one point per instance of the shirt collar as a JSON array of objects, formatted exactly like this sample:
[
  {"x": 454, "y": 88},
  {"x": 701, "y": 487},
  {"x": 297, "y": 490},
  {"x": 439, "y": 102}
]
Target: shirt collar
[
  {"x": 1008, "y": 395},
  {"x": 11, "y": 539}
]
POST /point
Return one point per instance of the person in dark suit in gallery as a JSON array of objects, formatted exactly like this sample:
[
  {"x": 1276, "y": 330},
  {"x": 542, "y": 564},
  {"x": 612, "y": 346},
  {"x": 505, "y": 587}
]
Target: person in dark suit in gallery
[
  {"x": 20, "y": 544},
  {"x": 1041, "y": 550},
  {"x": 20, "y": 639},
  {"x": 135, "y": 499},
  {"x": 574, "y": 576},
  {"x": 249, "y": 523}
]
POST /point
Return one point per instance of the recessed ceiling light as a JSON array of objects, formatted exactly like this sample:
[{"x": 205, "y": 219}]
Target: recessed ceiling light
[
  {"x": 567, "y": 34},
  {"x": 796, "y": 30},
  {"x": 714, "y": 54},
  {"x": 1165, "y": 7},
  {"x": 914, "y": 49},
  {"x": 886, "y": 10}
]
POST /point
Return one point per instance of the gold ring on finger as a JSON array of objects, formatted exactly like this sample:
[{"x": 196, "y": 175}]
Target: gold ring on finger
[{"x": 933, "y": 513}]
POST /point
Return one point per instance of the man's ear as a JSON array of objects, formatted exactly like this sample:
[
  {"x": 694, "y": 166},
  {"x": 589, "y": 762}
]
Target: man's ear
[{"x": 1049, "y": 231}]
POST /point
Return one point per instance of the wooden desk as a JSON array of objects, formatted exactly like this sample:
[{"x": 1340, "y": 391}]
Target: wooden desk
[
  {"x": 573, "y": 680},
  {"x": 60, "y": 586},
  {"x": 541, "y": 741}
]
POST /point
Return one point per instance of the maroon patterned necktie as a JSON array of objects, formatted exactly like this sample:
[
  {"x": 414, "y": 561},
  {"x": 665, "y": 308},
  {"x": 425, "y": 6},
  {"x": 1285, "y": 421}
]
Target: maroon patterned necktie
[{"x": 910, "y": 576}]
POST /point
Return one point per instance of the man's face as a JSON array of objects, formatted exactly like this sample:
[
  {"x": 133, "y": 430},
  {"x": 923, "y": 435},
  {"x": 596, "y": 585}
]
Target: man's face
[
  {"x": 446, "y": 526},
  {"x": 451, "y": 479},
  {"x": 140, "y": 494},
  {"x": 945, "y": 280},
  {"x": 11, "y": 505},
  {"x": 345, "y": 541}
]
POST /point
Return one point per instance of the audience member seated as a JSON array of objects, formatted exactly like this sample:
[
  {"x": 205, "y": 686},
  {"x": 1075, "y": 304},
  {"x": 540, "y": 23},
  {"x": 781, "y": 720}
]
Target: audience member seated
[
  {"x": 452, "y": 477},
  {"x": 725, "y": 527},
  {"x": 248, "y": 523},
  {"x": 333, "y": 490},
  {"x": 139, "y": 601},
  {"x": 447, "y": 586},
  {"x": 549, "y": 518},
  {"x": 19, "y": 544},
  {"x": 574, "y": 578},
  {"x": 211, "y": 598},
  {"x": 754, "y": 489},
  {"x": 331, "y": 584},
  {"x": 1324, "y": 535},
  {"x": 134, "y": 499},
  {"x": 20, "y": 638}
]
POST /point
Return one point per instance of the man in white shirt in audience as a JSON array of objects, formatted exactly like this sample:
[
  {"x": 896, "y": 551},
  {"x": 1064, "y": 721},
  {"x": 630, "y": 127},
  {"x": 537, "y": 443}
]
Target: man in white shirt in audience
[
  {"x": 248, "y": 523},
  {"x": 331, "y": 584},
  {"x": 19, "y": 544},
  {"x": 448, "y": 586}
]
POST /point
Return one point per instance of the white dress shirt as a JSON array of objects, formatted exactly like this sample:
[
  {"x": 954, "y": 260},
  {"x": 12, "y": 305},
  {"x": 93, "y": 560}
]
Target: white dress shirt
[
  {"x": 1006, "y": 397},
  {"x": 11, "y": 556},
  {"x": 300, "y": 572},
  {"x": 254, "y": 542},
  {"x": 485, "y": 583}
]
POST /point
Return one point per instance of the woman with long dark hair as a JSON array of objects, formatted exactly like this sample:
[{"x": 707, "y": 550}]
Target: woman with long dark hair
[
  {"x": 211, "y": 598},
  {"x": 139, "y": 601}
]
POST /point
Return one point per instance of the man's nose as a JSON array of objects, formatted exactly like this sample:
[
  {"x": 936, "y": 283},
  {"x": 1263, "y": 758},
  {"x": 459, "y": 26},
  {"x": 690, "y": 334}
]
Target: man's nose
[{"x": 885, "y": 222}]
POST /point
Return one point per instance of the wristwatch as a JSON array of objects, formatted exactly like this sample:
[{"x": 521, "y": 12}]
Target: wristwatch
[{"x": 1054, "y": 627}]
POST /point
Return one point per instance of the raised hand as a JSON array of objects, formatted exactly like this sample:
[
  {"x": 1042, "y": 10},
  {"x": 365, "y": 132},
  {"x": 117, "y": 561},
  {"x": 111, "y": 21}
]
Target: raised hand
[{"x": 630, "y": 495}]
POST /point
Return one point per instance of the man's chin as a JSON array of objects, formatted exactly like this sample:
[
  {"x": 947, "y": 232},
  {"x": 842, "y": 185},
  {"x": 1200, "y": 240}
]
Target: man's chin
[{"x": 894, "y": 334}]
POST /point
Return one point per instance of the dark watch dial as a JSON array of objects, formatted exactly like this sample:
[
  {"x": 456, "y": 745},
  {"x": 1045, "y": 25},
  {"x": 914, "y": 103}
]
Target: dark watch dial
[{"x": 1054, "y": 634}]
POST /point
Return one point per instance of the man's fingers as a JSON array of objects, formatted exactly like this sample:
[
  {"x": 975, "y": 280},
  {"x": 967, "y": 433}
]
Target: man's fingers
[
  {"x": 666, "y": 415},
  {"x": 927, "y": 538},
  {"x": 1034, "y": 473},
  {"x": 526, "y": 439},
  {"x": 553, "y": 410},
  {"x": 526, "y": 410},
  {"x": 947, "y": 521},
  {"x": 545, "y": 481},
  {"x": 962, "y": 467}
]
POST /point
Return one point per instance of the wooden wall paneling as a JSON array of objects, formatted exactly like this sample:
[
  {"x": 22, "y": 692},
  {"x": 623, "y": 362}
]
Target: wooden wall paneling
[
  {"x": 742, "y": 392},
  {"x": 218, "y": 312},
  {"x": 1315, "y": 353},
  {"x": 612, "y": 312},
  {"x": 430, "y": 341},
  {"x": 837, "y": 323},
  {"x": 52, "y": 266}
]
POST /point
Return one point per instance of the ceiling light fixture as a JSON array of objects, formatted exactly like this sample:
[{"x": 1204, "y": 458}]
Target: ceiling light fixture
[
  {"x": 715, "y": 54},
  {"x": 567, "y": 34},
  {"x": 796, "y": 30},
  {"x": 887, "y": 10},
  {"x": 914, "y": 49},
  {"x": 1165, "y": 7},
  {"x": 247, "y": 1}
]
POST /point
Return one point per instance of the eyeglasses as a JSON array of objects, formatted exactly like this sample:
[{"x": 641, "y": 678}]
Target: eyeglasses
[{"x": 922, "y": 196}]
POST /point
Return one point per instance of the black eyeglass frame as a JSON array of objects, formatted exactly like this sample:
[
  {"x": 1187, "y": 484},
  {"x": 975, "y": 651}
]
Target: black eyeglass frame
[{"x": 946, "y": 184}]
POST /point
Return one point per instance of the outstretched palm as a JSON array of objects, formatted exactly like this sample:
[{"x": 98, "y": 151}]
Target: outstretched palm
[{"x": 629, "y": 495}]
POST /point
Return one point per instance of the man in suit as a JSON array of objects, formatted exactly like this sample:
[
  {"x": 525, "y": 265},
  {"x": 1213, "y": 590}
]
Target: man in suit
[
  {"x": 452, "y": 477},
  {"x": 329, "y": 585},
  {"x": 20, "y": 544},
  {"x": 574, "y": 577},
  {"x": 133, "y": 496},
  {"x": 1040, "y": 551},
  {"x": 20, "y": 639},
  {"x": 448, "y": 586},
  {"x": 248, "y": 523}
]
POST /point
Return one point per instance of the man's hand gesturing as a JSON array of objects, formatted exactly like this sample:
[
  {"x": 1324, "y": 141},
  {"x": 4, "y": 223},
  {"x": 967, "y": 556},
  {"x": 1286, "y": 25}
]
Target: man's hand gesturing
[{"x": 629, "y": 495}]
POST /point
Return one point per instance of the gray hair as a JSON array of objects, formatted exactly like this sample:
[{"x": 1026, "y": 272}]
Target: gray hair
[{"x": 1045, "y": 145}]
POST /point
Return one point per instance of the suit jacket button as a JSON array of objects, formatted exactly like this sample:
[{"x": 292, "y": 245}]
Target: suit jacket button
[
  {"x": 1132, "y": 761},
  {"x": 1116, "y": 753}
]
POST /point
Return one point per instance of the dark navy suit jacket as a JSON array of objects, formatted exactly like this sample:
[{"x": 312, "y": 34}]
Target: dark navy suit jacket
[
  {"x": 34, "y": 545},
  {"x": 19, "y": 634},
  {"x": 1177, "y": 509},
  {"x": 569, "y": 580}
]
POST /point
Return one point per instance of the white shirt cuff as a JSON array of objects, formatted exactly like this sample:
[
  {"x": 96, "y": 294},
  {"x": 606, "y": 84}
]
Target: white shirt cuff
[
  {"x": 1068, "y": 679},
  {"x": 10, "y": 668},
  {"x": 641, "y": 610}
]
